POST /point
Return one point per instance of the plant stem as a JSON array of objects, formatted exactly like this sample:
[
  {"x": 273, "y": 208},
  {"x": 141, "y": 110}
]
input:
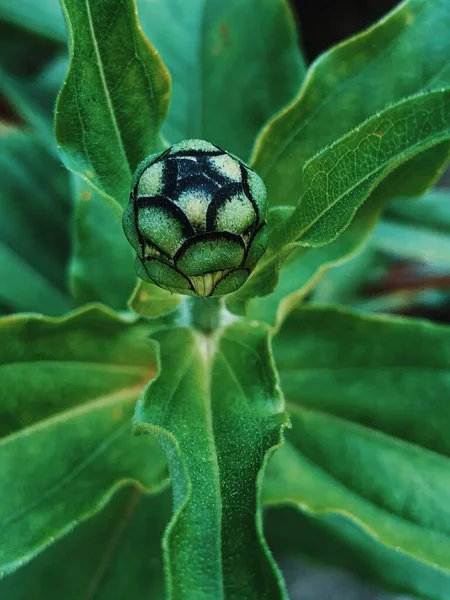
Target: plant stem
[{"x": 205, "y": 313}]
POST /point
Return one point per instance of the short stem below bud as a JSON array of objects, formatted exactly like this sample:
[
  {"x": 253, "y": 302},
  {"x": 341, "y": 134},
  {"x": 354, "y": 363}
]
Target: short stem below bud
[{"x": 205, "y": 313}]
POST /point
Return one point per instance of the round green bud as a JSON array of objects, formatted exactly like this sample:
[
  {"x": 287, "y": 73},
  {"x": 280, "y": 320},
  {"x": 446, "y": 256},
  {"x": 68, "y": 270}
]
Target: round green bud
[{"x": 197, "y": 219}]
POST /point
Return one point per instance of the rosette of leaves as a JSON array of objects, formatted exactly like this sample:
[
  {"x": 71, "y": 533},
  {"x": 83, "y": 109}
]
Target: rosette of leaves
[
  {"x": 196, "y": 218},
  {"x": 361, "y": 478}
]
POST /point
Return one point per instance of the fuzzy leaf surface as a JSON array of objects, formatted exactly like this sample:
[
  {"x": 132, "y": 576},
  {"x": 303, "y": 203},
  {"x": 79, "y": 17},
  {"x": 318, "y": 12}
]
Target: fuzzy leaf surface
[
  {"x": 305, "y": 267},
  {"x": 367, "y": 459},
  {"x": 402, "y": 149},
  {"x": 217, "y": 412},
  {"x": 340, "y": 178},
  {"x": 349, "y": 84},
  {"x": 115, "y": 96},
  {"x": 67, "y": 392},
  {"x": 113, "y": 555}
]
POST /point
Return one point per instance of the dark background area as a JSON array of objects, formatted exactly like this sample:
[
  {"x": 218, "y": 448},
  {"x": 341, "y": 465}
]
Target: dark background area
[{"x": 324, "y": 23}]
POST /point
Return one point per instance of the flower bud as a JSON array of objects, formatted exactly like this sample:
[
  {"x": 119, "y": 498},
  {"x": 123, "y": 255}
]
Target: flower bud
[{"x": 196, "y": 218}]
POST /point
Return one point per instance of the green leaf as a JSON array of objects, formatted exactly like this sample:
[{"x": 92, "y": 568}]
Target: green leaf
[
  {"x": 23, "y": 54},
  {"x": 368, "y": 456},
  {"x": 413, "y": 243},
  {"x": 349, "y": 84},
  {"x": 102, "y": 265},
  {"x": 40, "y": 219},
  {"x": 353, "y": 549},
  {"x": 115, "y": 97},
  {"x": 341, "y": 177},
  {"x": 67, "y": 392},
  {"x": 43, "y": 17},
  {"x": 217, "y": 412},
  {"x": 417, "y": 229},
  {"x": 343, "y": 282},
  {"x": 114, "y": 555},
  {"x": 34, "y": 232},
  {"x": 152, "y": 301},
  {"x": 33, "y": 98},
  {"x": 25, "y": 289},
  {"x": 431, "y": 211},
  {"x": 304, "y": 267},
  {"x": 205, "y": 44}
]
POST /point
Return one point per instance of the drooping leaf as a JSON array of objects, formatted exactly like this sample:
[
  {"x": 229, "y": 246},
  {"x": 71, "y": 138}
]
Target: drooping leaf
[
  {"x": 217, "y": 412},
  {"x": 349, "y": 84},
  {"x": 102, "y": 265},
  {"x": 114, "y": 555},
  {"x": 67, "y": 392},
  {"x": 252, "y": 46},
  {"x": 367, "y": 459},
  {"x": 115, "y": 97}
]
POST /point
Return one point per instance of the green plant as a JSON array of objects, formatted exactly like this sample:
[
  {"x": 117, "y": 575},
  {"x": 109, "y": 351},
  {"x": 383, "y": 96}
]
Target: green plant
[
  {"x": 334, "y": 420},
  {"x": 196, "y": 218}
]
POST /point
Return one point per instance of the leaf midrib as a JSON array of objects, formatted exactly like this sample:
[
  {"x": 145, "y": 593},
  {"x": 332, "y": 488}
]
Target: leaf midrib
[
  {"x": 297, "y": 132},
  {"x": 69, "y": 477},
  {"x": 105, "y": 87},
  {"x": 355, "y": 493},
  {"x": 141, "y": 371},
  {"x": 125, "y": 395},
  {"x": 386, "y": 167},
  {"x": 110, "y": 551}
]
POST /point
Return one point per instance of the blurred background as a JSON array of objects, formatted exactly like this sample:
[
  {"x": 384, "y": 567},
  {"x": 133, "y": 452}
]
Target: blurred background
[{"x": 404, "y": 269}]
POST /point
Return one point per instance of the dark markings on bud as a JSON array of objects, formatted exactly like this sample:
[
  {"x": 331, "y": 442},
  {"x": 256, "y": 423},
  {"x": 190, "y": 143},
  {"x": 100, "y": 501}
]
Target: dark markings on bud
[
  {"x": 144, "y": 202},
  {"x": 198, "y": 222},
  {"x": 244, "y": 175},
  {"x": 209, "y": 237},
  {"x": 170, "y": 178},
  {"x": 220, "y": 197},
  {"x": 196, "y": 153}
]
